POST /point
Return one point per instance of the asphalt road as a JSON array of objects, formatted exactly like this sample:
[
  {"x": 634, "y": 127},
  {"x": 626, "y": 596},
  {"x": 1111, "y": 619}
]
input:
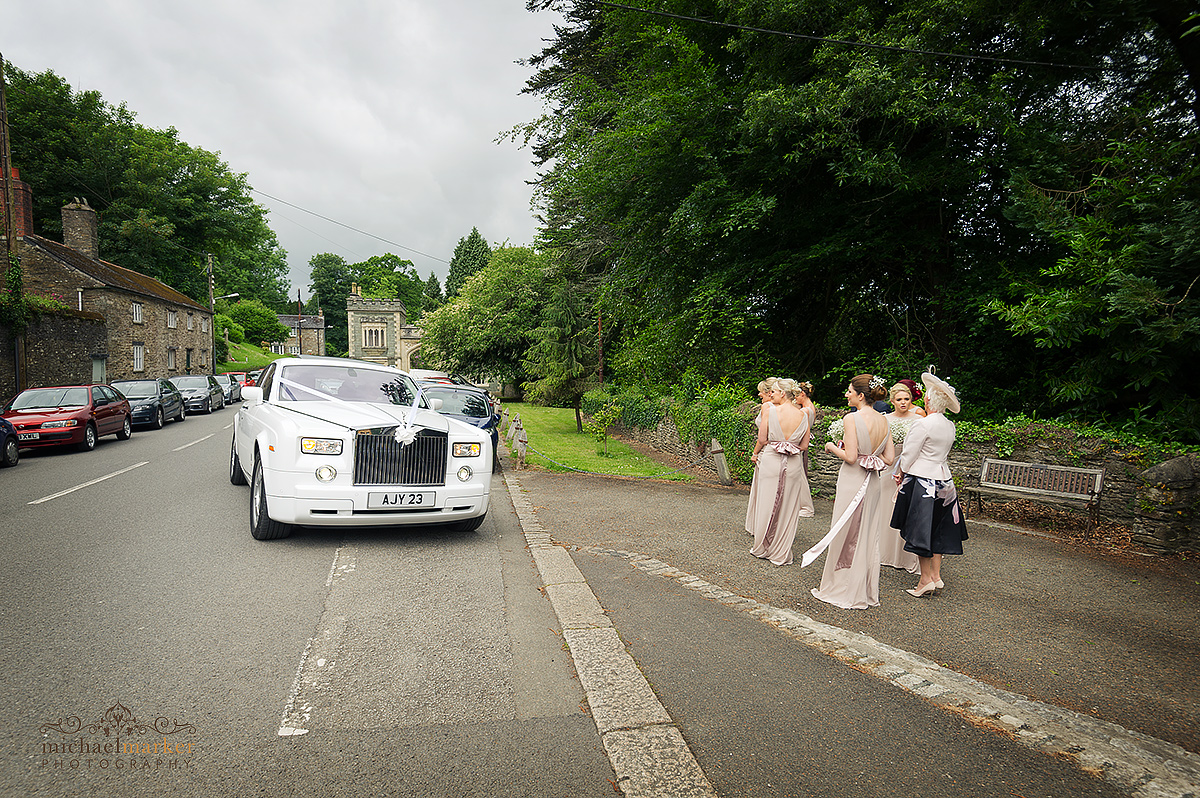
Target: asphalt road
[{"x": 395, "y": 662}]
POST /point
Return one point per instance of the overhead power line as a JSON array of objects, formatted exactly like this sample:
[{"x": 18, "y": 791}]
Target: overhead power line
[
  {"x": 827, "y": 40},
  {"x": 348, "y": 227}
]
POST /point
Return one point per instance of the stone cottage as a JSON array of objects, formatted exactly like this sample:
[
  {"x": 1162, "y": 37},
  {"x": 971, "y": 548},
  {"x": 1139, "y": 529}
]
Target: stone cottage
[
  {"x": 152, "y": 329},
  {"x": 308, "y": 334}
]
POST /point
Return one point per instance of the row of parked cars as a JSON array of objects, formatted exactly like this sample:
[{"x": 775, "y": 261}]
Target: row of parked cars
[{"x": 78, "y": 415}]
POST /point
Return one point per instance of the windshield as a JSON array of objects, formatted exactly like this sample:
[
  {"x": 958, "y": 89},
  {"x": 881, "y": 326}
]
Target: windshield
[
  {"x": 51, "y": 397},
  {"x": 461, "y": 403},
  {"x": 184, "y": 383},
  {"x": 139, "y": 389},
  {"x": 320, "y": 383},
  {"x": 223, "y": 380}
]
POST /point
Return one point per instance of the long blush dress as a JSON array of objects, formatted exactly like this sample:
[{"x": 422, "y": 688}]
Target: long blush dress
[
  {"x": 778, "y": 492},
  {"x": 851, "y": 576},
  {"x": 891, "y": 545}
]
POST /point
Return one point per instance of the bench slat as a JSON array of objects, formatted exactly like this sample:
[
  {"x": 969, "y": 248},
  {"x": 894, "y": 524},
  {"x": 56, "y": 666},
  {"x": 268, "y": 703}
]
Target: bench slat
[{"x": 1082, "y": 484}]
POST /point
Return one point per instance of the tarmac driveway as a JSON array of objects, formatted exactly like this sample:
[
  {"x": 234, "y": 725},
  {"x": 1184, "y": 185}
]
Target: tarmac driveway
[{"x": 1112, "y": 635}]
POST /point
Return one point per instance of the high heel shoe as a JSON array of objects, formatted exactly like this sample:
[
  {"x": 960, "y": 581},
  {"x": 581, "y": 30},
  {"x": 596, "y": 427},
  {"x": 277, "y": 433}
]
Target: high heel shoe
[
  {"x": 924, "y": 591},
  {"x": 939, "y": 584}
]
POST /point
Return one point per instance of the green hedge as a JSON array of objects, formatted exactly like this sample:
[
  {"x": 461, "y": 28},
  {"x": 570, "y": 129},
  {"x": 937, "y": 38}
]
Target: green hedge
[{"x": 638, "y": 409}]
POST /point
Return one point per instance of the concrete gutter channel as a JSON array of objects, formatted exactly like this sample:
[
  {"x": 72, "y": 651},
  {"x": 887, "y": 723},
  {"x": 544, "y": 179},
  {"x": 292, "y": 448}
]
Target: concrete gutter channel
[{"x": 652, "y": 760}]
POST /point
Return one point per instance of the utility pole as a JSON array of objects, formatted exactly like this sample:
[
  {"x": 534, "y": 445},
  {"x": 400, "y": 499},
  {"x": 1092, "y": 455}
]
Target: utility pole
[
  {"x": 212, "y": 318},
  {"x": 10, "y": 228}
]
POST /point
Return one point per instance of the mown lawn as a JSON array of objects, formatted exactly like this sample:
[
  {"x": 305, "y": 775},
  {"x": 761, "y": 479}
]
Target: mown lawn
[{"x": 551, "y": 432}]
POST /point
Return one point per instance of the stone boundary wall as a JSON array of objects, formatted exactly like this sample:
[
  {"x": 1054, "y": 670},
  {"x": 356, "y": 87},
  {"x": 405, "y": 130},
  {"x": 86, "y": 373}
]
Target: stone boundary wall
[
  {"x": 58, "y": 350},
  {"x": 1161, "y": 504}
]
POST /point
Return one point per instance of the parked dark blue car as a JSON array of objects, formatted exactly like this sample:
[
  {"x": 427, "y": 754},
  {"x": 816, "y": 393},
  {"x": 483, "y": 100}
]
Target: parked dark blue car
[
  {"x": 468, "y": 404},
  {"x": 10, "y": 449},
  {"x": 153, "y": 401}
]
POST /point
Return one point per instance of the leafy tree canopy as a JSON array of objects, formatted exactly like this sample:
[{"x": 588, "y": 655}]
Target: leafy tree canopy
[
  {"x": 162, "y": 204},
  {"x": 259, "y": 323},
  {"x": 385, "y": 276},
  {"x": 470, "y": 255}
]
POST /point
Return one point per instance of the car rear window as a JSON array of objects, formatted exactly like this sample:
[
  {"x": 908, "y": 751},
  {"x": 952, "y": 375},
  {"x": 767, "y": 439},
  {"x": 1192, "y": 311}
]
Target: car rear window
[{"x": 462, "y": 403}]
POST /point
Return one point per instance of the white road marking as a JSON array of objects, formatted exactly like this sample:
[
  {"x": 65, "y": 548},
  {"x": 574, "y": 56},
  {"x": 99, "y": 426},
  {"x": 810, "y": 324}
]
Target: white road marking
[
  {"x": 86, "y": 484},
  {"x": 193, "y": 443}
]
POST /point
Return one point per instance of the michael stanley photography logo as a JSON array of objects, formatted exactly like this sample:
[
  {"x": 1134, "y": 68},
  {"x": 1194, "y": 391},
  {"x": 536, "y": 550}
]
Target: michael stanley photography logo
[{"x": 118, "y": 741}]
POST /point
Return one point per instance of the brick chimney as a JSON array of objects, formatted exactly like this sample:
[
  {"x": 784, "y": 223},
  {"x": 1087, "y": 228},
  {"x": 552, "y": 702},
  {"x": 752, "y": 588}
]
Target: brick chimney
[
  {"x": 22, "y": 205},
  {"x": 80, "y": 228}
]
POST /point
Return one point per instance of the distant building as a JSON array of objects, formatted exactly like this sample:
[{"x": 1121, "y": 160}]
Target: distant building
[
  {"x": 152, "y": 329},
  {"x": 379, "y": 331},
  {"x": 308, "y": 335}
]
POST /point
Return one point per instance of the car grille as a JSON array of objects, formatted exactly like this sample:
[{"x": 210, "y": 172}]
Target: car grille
[{"x": 380, "y": 460}]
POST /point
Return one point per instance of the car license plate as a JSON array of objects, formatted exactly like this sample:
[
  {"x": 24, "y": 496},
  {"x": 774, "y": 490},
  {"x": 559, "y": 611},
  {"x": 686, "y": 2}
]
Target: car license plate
[
  {"x": 379, "y": 501},
  {"x": 28, "y": 436}
]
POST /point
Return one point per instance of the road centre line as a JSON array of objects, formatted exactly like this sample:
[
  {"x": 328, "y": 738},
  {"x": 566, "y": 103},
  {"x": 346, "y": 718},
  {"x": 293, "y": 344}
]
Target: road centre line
[
  {"x": 193, "y": 443},
  {"x": 86, "y": 484}
]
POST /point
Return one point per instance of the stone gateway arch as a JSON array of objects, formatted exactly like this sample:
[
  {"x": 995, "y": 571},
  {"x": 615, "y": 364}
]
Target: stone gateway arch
[{"x": 379, "y": 331}]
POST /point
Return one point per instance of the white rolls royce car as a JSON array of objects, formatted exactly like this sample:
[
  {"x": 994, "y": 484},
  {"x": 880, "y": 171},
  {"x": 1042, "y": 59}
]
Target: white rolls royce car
[{"x": 326, "y": 441}]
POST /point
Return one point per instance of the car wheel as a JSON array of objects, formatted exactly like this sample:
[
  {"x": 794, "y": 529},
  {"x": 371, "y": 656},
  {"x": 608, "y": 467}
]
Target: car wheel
[
  {"x": 471, "y": 524},
  {"x": 126, "y": 431},
  {"x": 236, "y": 476},
  {"x": 89, "y": 438},
  {"x": 261, "y": 525},
  {"x": 12, "y": 452},
  {"x": 210, "y": 405},
  {"x": 182, "y": 413},
  {"x": 159, "y": 418}
]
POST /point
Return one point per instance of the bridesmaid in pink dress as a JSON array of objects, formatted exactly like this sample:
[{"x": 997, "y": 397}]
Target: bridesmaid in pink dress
[{"x": 780, "y": 487}]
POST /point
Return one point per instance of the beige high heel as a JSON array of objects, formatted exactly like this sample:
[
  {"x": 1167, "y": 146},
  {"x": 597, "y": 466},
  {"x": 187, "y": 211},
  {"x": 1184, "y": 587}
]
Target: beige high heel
[{"x": 924, "y": 591}]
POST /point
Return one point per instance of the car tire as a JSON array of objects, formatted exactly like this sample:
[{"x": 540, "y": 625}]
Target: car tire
[
  {"x": 126, "y": 430},
  {"x": 261, "y": 525},
  {"x": 236, "y": 475},
  {"x": 210, "y": 405},
  {"x": 89, "y": 438},
  {"x": 471, "y": 524},
  {"x": 159, "y": 418},
  {"x": 12, "y": 452},
  {"x": 182, "y": 413}
]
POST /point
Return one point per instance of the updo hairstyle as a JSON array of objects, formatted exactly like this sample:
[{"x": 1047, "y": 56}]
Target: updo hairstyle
[
  {"x": 789, "y": 387},
  {"x": 767, "y": 385},
  {"x": 806, "y": 387},
  {"x": 897, "y": 388},
  {"x": 870, "y": 386}
]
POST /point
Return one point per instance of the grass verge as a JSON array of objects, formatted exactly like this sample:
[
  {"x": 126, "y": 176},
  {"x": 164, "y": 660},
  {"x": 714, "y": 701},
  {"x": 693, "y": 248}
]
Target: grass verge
[{"x": 551, "y": 432}]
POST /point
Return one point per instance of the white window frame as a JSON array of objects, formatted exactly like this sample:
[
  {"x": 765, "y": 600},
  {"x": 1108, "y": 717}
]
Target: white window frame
[
  {"x": 204, "y": 324},
  {"x": 172, "y": 321},
  {"x": 374, "y": 336},
  {"x": 136, "y": 310},
  {"x": 139, "y": 357},
  {"x": 171, "y": 359},
  {"x": 191, "y": 322}
]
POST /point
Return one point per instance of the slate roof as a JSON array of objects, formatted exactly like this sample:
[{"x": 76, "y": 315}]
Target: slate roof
[
  {"x": 310, "y": 322},
  {"x": 111, "y": 274}
]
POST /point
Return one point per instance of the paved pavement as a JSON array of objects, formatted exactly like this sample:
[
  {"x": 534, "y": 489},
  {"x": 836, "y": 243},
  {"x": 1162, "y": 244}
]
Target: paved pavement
[{"x": 1049, "y": 661}]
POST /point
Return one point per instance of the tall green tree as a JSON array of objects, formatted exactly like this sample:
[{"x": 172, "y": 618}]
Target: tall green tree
[
  {"x": 561, "y": 362},
  {"x": 259, "y": 323},
  {"x": 332, "y": 280},
  {"x": 487, "y": 329},
  {"x": 471, "y": 254},
  {"x": 433, "y": 298},
  {"x": 163, "y": 205}
]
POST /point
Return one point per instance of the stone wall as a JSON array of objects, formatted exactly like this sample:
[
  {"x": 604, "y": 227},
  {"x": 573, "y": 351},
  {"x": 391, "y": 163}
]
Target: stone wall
[
  {"x": 58, "y": 350},
  {"x": 1161, "y": 504}
]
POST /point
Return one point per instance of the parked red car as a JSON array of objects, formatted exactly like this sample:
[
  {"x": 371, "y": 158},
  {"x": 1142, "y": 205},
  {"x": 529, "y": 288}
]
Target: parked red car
[
  {"x": 242, "y": 377},
  {"x": 69, "y": 415}
]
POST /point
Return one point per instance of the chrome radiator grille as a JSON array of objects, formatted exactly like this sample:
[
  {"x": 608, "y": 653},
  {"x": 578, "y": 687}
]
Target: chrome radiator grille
[{"x": 380, "y": 460}]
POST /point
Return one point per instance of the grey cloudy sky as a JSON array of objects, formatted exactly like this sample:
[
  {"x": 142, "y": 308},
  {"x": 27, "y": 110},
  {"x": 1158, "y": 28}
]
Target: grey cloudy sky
[{"x": 381, "y": 114}]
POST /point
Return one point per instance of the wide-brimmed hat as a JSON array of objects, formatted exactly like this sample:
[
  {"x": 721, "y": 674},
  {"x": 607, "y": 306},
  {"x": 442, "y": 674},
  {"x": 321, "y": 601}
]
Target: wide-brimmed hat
[{"x": 934, "y": 383}]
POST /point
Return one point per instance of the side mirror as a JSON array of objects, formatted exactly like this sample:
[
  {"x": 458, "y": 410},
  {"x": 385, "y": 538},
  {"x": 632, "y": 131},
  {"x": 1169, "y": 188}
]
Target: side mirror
[
  {"x": 435, "y": 404},
  {"x": 252, "y": 396}
]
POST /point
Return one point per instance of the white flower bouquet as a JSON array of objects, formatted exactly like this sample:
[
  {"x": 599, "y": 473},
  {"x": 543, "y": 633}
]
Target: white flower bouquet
[{"x": 837, "y": 430}]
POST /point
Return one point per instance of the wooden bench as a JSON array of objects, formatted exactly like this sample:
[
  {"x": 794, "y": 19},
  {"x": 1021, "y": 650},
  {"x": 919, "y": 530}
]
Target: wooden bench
[{"x": 1048, "y": 483}]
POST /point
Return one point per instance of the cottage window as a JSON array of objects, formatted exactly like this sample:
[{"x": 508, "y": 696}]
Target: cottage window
[
  {"x": 373, "y": 337},
  {"x": 190, "y": 321},
  {"x": 189, "y": 361},
  {"x": 139, "y": 356},
  {"x": 137, "y": 312},
  {"x": 204, "y": 324},
  {"x": 293, "y": 350},
  {"x": 171, "y": 319},
  {"x": 171, "y": 359}
]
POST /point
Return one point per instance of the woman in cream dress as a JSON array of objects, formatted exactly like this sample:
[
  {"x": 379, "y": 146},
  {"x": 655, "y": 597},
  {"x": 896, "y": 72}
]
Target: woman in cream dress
[{"x": 900, "y": 420}]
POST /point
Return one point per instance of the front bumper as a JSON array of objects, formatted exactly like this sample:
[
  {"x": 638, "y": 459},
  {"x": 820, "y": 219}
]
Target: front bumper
[
  {"x": 143, "y": 415},
  {"x": 53, "y": 437},
  {"x": 312, "y": 503},
  {"x": 197, "y": 402}
]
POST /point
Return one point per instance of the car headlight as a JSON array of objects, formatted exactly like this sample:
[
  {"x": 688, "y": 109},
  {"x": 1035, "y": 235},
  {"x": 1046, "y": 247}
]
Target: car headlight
[
  {"x": 321, "y": 445},
  {"x": 70, "y": 422},
  {"x": 467, "y": 450}
]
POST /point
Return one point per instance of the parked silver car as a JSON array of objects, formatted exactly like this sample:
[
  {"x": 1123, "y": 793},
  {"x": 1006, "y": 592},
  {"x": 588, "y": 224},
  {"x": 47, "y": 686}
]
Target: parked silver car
[{"x": 200, "y": 392}]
